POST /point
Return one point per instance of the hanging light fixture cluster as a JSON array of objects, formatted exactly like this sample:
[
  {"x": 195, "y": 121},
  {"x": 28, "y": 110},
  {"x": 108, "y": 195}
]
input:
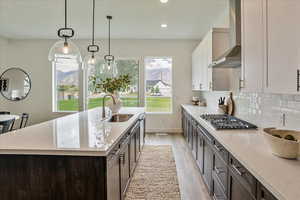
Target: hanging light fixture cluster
[{"x": 66, "y": 47}]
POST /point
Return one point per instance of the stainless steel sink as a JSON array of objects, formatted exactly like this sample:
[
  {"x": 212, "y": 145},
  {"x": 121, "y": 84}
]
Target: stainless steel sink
[{"x": 120, "y": 118}]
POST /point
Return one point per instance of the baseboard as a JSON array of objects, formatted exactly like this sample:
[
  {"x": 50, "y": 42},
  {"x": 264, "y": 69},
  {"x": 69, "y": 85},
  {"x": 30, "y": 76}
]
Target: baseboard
[{"x": 165, "y": 130}]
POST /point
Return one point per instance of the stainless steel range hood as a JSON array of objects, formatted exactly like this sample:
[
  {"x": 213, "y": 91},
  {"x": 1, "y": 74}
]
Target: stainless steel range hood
[{"x": 232, "y": 57}]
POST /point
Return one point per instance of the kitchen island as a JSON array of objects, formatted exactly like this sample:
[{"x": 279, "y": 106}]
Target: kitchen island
[
  {"x": 73, "y": 157},
  {"x": 238, "y": 164}
]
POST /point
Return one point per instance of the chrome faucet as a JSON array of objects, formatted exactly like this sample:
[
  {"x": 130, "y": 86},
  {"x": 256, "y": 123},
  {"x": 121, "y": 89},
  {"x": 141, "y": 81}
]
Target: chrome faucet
[{"x": 103, "y": 104}]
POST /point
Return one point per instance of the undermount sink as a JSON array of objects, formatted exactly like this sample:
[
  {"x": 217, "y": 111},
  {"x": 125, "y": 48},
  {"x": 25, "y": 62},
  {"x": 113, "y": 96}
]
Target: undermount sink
[{"x": 120, "y": 118}]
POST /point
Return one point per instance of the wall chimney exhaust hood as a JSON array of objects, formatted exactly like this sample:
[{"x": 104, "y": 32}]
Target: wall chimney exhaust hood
[{"x": 232, "y": 57}]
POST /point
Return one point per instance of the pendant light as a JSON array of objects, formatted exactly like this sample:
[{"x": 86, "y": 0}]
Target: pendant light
[
  {"x": 91, "y": 59},
  {"x": 109, "y": 59},
  {"x": 65, "y": 46}
]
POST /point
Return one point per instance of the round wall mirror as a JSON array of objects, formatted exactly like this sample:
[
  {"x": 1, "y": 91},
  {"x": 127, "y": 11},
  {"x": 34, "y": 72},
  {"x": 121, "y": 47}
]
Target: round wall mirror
[{"x": 15, "y": 84}]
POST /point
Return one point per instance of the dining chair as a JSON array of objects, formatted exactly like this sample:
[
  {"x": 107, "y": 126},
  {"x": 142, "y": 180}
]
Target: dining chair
[
  {"x": 4, "y": 113},
  {"x": 6, "y": 126},
  {"x": 24, "y": 120}
]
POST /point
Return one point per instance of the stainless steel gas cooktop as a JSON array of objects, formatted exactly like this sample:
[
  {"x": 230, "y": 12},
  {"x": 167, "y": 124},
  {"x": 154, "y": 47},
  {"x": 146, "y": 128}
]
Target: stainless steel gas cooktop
[{"x": 220, "y": 122}]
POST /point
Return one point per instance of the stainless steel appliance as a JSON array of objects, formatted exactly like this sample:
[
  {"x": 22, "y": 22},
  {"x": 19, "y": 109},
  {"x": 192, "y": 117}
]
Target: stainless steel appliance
[{"x": 223, "y": 121}]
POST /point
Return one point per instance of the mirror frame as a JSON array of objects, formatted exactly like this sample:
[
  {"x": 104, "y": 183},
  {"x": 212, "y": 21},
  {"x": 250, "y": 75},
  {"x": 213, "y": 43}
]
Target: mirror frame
[{"x": 30, "y": 85}]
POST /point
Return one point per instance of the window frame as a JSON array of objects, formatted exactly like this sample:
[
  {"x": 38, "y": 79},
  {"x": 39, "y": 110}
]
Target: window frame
[
  {"x": 54, "y": 90},
  {"x": 145, "y": 86},
  {"x": 85, "y": 81}
]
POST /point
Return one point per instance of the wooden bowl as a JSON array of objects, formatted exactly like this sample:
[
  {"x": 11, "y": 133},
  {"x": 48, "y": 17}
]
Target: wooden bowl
[{"x": 282, "y": 147}]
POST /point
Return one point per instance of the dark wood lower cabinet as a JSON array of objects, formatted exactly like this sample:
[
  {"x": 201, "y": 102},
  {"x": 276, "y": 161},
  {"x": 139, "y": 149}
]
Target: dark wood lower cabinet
[
  {"x": 33, "y": 177},
  {"x": 113, "y": 176},
  {"x": 200, "y": 150},
  {"x": 263, "y": 193},
  {"x": 224, "y": 176},
  {"x": 236, "y": 190},
  {"x": 37, "y": 177},
  {"x": 194, "y": 140},
  {"x": 208, "y": 163},
  {"x": 138, "y": 146},
  {"x": 142, "y": 120},
  {"x": 124, "y": 166},
  {"x": 217, "y": 188},
  {"x": 220, "y": 171},
  {"x": 134, "y": 152},
  {"x": 190, "y": 133}
]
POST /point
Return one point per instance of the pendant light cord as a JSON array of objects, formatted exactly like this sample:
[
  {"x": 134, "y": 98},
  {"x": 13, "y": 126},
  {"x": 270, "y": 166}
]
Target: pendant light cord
[
  {"x": 109, "y": 36},
  {"x": 109, "y": 57},
  {"x": 66, "y": 13},
  {"x": 93, "y": 36}
]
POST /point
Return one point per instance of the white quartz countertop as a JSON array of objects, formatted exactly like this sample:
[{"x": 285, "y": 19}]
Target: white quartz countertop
[
  {"x": 80, "y": 134},
  {"x": 278, "y": 175}
]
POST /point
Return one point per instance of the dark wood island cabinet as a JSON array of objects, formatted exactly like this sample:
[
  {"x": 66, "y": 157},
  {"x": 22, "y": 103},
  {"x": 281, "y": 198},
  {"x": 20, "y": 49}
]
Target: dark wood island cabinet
[{"x": 73, "y": 177}]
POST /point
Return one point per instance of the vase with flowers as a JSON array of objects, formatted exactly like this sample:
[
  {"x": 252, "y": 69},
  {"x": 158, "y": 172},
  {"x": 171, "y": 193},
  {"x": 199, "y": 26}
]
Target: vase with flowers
[{"x": 112, "y": 86}]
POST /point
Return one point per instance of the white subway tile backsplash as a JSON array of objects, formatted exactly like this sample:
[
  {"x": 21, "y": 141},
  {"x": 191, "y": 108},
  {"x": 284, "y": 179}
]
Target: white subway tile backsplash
[{"x": 264, "y": 110}]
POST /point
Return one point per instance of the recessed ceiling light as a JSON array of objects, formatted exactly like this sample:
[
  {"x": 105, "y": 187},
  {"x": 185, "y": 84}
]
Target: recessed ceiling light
[
  {"x": 164, "y": 25},
  {"x": 164, "y": 1}
]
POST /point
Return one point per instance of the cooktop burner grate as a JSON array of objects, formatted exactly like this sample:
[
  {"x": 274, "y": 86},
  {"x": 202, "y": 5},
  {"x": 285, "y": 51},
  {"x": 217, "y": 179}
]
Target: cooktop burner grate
[{"x": 220, "y": 122}]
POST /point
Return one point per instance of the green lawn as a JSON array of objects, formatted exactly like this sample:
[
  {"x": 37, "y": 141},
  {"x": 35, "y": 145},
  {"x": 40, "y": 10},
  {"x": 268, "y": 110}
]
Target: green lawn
[
  {"x": 154, "y": 104},
  {"x": 158, "y": 104}
]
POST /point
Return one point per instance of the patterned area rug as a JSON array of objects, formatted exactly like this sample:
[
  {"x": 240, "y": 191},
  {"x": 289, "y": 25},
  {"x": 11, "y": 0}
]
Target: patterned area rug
[{"x": 155, "y": 177}]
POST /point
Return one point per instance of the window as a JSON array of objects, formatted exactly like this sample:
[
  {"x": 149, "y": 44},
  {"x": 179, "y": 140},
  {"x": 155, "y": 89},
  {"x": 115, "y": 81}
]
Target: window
[
  {"x": 158, "y": 84},
  {"x": 129, "y": 98},
  {"x": 65, "y": 84}
]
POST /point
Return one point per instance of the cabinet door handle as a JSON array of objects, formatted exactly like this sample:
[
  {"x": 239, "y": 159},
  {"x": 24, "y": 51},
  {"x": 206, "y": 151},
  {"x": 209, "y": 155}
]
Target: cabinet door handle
[
  {"x": 219, "y": 149},
  {"x": 242, "y": 84},
  {"x": 263, "y": 195},
  {"x": 298, "y": 85},
  {"x": 219, "y": 170},
  {"x": 236, "y": 169},
  {"x": 201, "y": 142}
]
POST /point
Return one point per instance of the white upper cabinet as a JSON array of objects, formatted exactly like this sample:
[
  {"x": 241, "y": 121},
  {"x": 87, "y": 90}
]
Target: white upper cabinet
[
  {"x": 253, "y": 46},
  {"x": 283, "y": 46},
  {"x": 196, "y": 69},
  {"x": 213, "y": 45}
]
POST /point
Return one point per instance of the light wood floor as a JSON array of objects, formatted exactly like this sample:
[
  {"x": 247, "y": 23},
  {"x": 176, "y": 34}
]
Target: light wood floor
[{"x": 190, "y": 181}]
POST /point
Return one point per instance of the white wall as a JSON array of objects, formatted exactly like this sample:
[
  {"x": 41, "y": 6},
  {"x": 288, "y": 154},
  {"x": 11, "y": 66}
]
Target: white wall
[
  {"x": 3, "y": 46},
  {"x": 223, "y": 19},
  {"x": 31, "y": 55},
  {"x": 3, "y": 55}
]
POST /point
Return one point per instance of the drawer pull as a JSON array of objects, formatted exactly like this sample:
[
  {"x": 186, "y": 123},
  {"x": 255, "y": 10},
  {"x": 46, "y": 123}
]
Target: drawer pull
[
  {"x": 219, "y": 148},
  {"x": 219, "y": 170},
  {"x": 201, "y": 142},
  {"x": 218, "y": 197},
  {"x": 122, "y": 158},
  {"x": 236, "y": 169}
]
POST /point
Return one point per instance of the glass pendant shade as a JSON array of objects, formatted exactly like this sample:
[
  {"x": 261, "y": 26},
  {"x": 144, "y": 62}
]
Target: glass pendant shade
[
  {"x": 91, "y": 60},
  {"x": 62, "y": 48},
  {"x": 110, "y": 67}
]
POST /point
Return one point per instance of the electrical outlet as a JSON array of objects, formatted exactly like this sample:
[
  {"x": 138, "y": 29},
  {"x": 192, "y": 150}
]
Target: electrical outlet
[{"x": 283, "y": 120}]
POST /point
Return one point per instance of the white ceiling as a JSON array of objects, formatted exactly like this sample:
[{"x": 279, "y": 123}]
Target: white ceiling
[{"x": 134, "y": 19}]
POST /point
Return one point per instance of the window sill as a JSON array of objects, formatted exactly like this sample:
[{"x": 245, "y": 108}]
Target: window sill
[
  {"x": 64, "y": 112},
  {"x": 159, "y": 113}
]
